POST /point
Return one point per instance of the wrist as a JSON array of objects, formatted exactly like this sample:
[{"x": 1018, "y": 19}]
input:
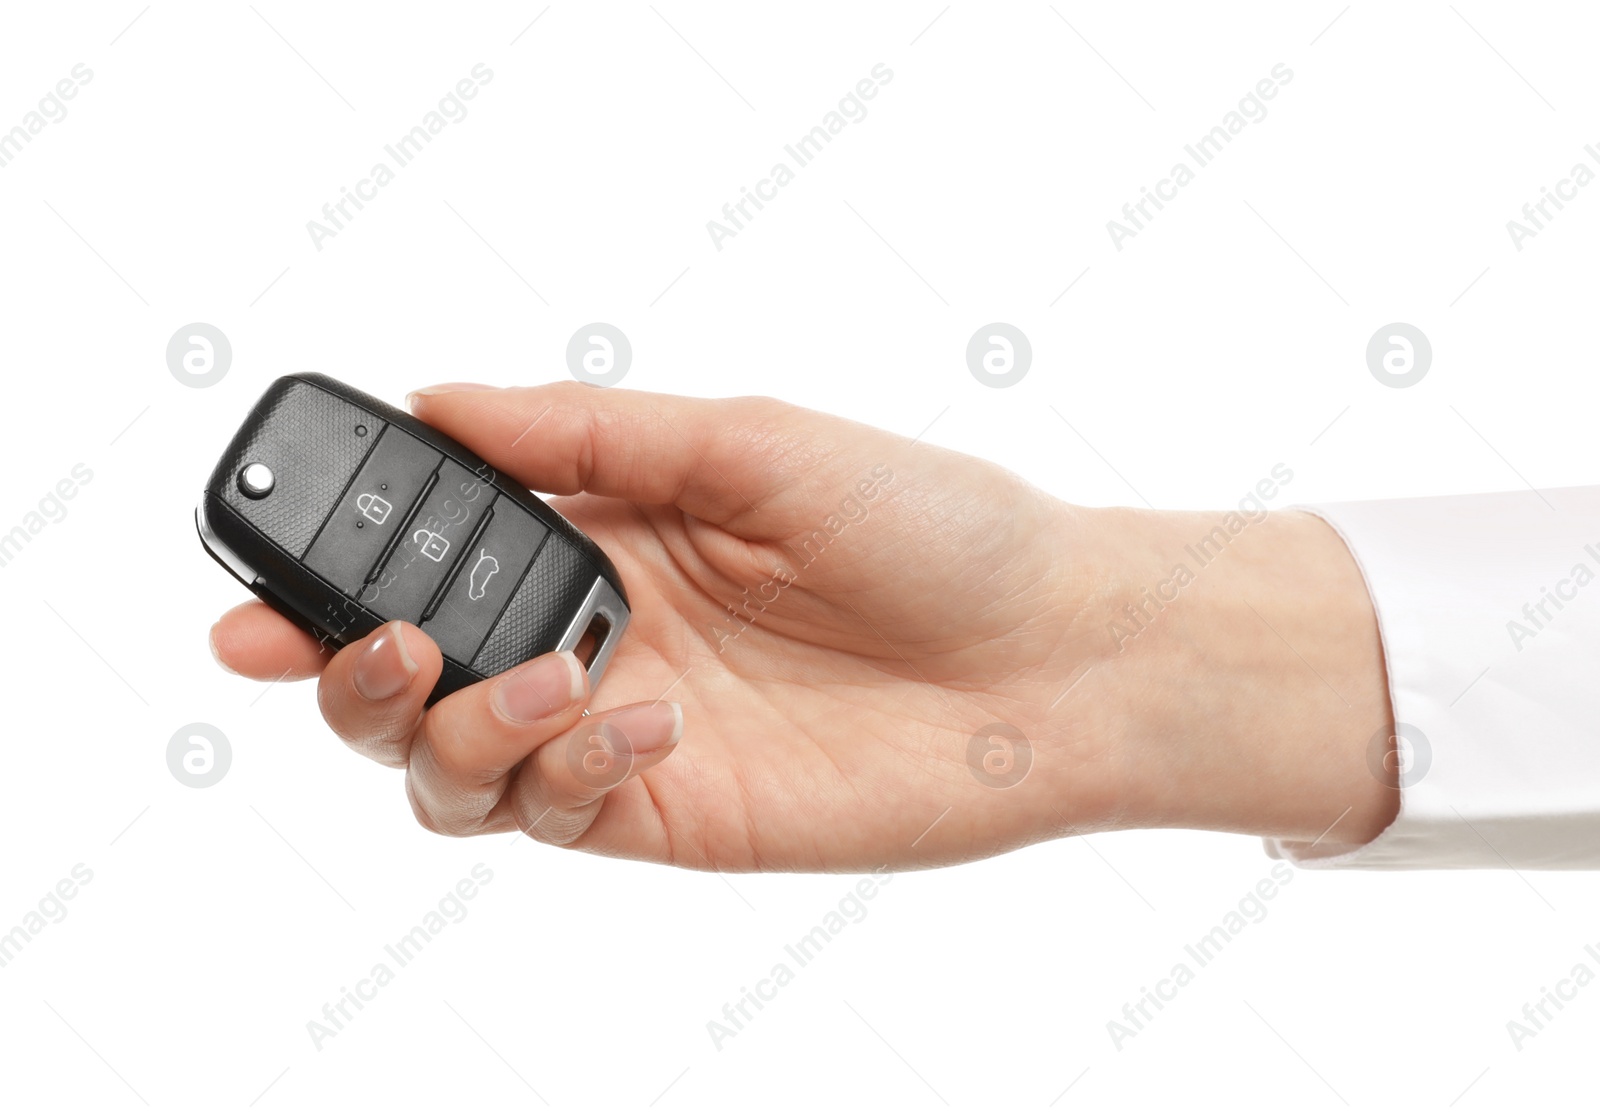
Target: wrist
[{"x": 1241, "y": 676}]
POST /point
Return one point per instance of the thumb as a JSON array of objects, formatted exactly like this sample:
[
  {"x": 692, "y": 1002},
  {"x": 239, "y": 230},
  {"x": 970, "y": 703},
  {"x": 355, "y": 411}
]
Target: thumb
[{"x": 720, "y": 460}]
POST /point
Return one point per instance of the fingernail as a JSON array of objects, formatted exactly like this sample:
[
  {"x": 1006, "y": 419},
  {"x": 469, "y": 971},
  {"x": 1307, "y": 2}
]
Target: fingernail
[
  {"x": 385, "y": 666},
  {"x": 540, "y": 687},
  {"x": 446, "y": 388},
  {"x": 211, "y": 639},
  {"x": 644, "y": 727}
]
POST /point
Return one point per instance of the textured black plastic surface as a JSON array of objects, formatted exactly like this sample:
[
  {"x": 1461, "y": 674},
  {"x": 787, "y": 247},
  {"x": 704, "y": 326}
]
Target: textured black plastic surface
[
  {"x": 307, "y": 436},
  {"x": 511, "y": 588},
  {"x": 537, "y": 613},
  {"x": 486, "y": 579},
  {"x": 431, "y": 544},
  {"x": 374, "y": 508}
]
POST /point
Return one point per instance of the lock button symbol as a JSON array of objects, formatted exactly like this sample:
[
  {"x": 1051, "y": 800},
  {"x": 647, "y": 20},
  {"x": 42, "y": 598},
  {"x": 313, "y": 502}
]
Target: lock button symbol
[
  {"x": 434, "y": 546},
  {"x": 374, "y": 508}
]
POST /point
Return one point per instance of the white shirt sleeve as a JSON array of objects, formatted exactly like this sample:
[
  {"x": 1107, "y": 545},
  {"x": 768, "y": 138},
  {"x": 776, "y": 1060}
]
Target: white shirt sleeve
[{"x": 1489, "y": 610}]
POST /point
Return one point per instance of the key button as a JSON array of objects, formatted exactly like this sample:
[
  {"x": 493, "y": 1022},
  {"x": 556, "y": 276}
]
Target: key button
[
  {"x": 367, "y": 519},
  {"x": 432, "y": 542},
  {"x": 488, "y": 573},
  {"x": 256, "y": 480}
]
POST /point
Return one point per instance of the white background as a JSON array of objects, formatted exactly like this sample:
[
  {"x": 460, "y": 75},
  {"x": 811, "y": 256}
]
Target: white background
[{"x": 1226, "y": 337}]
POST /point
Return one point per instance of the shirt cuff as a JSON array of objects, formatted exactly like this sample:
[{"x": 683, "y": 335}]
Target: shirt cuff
[{"x": 1489, "y": 611}]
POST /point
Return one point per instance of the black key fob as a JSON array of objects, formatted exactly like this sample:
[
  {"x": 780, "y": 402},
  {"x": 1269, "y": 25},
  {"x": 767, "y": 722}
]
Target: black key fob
[{"x": 343, "y": 512}]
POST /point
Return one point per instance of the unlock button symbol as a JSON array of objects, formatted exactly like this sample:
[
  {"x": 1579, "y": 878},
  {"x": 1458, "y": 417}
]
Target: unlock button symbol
[
  {"x": 374, "y": 508},
  {"x": 433, "y": 545}
]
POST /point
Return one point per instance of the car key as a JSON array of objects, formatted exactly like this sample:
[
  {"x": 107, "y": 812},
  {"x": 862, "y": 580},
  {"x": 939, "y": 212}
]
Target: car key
[{"x": 343, "y": 513}]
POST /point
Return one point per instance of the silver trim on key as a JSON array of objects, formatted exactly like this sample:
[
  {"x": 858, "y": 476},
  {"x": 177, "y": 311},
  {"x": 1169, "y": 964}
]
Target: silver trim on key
[{"x": 602, "y": 599}]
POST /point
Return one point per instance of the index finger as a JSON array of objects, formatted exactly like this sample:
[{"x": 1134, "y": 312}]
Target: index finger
[{"x": 717, "y": 459}]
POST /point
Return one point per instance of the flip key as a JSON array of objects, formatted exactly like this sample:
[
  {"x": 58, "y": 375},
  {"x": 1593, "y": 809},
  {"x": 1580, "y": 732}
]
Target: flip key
[{"x": 343, "y": 512}]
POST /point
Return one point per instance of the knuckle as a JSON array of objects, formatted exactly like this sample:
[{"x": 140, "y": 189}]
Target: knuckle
[
  {"x": 380, "y": 738},
  {"x": 567, "y": 389},
  {"x": 544, "y": 822},
  {"x": 432, "y": 821},
  {"x": 423, "y": 816},
  {"x": 772, "y": 431},
  {"x": 760, "y": 406},
  {"x": 452, "y": 747},
  {"x": 390, "y": 754}
]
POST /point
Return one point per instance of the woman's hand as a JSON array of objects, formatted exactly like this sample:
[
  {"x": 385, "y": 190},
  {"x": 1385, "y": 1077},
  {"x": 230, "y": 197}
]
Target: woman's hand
[{"x": 849, "y": 650}]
